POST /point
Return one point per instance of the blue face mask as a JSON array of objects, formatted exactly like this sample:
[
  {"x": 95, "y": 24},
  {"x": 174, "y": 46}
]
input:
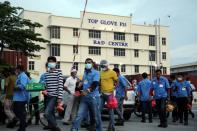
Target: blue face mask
[
  {"x": 88, "y": 66},
  {"x": 51, "y": 65}
]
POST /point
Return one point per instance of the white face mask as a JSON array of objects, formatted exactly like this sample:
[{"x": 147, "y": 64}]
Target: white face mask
[
  {"x": 180, "y": 78},
  {"x": 104, "y": 69}
]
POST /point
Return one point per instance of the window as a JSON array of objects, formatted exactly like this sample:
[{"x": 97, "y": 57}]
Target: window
[
  {"x": 164, "y": 70},
  {"x": 119, "y": 36},
  {"x": 55, "y": 49},
  {"x": 136, "y": 53},
  {"x": 76, "y": 65},
  {"x": 123, "y": 68},
  {"x": 31, "y": 65},
  {"x": 119, "y": 52},
  {"x": 55, "y": 32},
  {"x": 58, "y": 65},
  {"x": 152, "y": 69},
  {"x": 152, "y": 56},
  {"x": 75, "y": 49},
  {"x": 136, "y": 68},
  {"x": 95, "y": 50},
  {"x": 163, "y": 41},
  {"x": 164, "y": 55},
  {"x": 76, "y": 32},
  {"x": 152, "y": 40},
  {"x": 136, "y": 37},
  {"x": 116, "y": 66},
  {"x": 94, "y": 34}
]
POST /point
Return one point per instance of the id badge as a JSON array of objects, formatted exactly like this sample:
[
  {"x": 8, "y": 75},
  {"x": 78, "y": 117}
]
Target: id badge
[
  {"x": 85, "y": 82},
  {"x": 160, "y": 85}
]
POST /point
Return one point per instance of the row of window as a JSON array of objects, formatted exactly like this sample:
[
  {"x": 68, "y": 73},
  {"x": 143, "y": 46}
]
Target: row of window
[
  {"x": 55, "y": 33},
  {"x": 55, "y": 51},
  {"x": 123, "y": 67}
]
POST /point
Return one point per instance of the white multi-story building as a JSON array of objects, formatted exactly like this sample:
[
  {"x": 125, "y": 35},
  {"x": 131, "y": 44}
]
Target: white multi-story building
[{"x": 133, "y": 48}]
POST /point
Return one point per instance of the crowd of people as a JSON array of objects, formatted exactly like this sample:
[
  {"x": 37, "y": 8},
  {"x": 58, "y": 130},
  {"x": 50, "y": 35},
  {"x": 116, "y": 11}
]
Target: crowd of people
[{"x": 86, "y": 97}]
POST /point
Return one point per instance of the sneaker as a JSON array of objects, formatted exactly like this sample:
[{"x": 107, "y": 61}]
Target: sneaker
[
  {"x": 119, "y": 123},
  {"x": 46, "y": 128},
  {"x": 66, "y": 123},
  {"x": 165, "y": 126},
  {"x": 143, "y": 121},
  {"x": 55, "y": 129},
  {"x": 160, "y": 125},
  {"x": 186, "y": 123}
]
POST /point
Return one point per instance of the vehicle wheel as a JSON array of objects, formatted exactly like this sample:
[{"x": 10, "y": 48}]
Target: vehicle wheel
[
  {"x": 127, "y": 115},
  {"x": 138, "y": 113}
]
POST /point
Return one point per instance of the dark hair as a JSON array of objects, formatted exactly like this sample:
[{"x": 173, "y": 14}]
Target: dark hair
[
  {"x": 12, "y": 71},
  {"x": 27, "y": 73},
  {"x": 173, "y": 77},
  {"x": 46, "y": 64},
  {"x": 53, "y": 58},
  {"x": 144, "y": 75},
  {"x": 180, "y": 74},
  {"x": 89, "y": 59},
  {"x": 20, "y": 67},
  {"x": 187, "y": 79},
  {"x": 116, "y": 70},
  {"x": 158, "y": 70}
]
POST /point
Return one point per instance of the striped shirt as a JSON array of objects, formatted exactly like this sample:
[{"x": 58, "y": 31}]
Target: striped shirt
[{"x": 54, "y": 83}]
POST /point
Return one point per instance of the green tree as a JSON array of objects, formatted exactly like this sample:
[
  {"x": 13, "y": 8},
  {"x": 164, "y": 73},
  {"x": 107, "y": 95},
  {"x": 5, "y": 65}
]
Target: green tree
[{"x": 16, "y": 33}]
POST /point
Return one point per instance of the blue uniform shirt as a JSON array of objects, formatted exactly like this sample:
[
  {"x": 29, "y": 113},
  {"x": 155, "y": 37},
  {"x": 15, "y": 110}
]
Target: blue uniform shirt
[
  {"x": 42, "y": 79},
  {"x": 174, "y": 92},
  {"x": 144, "y": 87},
  {"x": 88, "y": 79},
  {"x": 120, "y": 88},
  {"x": 160, "y": 87},
  {"x": 182, "y": 88},
  {"x": 21, "y": 82}
]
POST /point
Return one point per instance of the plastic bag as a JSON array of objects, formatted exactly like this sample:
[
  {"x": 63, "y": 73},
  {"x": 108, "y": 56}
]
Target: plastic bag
[{"x": 112, "y": 102}]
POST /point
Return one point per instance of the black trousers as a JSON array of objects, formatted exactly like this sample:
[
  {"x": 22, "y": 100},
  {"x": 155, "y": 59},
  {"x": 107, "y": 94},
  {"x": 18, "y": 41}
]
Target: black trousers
[
  {"x": 146, "y": 106},
  {"x": 182, "y": 108},
  {"x": 2, "y": 113},
  {"x": 34, "y": 103},
  {"x": 161, "y": 107},
  {"x": 175, "y": 111},
  {"x": 20, "y": 112}
]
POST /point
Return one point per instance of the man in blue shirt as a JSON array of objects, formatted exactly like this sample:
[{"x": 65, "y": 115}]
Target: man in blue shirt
[
  {"x": 143, "y": 89},
  {"x": 183, "y": 95},
  {"x": 121, "y": 94},
  {"x": 173, "y": 98},
  {"x": 90, "y": 98},
  {"x": 21, "y": 96},
  {"x": 160, "y": 86}
]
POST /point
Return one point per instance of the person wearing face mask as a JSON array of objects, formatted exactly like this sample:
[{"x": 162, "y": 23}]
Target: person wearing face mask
[
  {"x": 21, "y": 96},
  {"x": 70, "y": 86},
  {"x": 161, "y": 88},
  {"x": 54, "y": 88},
  {"x": 109, "y": 78},
  {"x": 183, "y": 97},
  {"x": 90, "y": 99}
]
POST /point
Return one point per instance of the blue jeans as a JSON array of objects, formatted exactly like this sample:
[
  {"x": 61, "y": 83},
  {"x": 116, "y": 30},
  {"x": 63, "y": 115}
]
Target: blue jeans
[
  {"x": 104, "y": 98},
  {"x": 88, "y": 104},
  {"x": 51, "y": 103}
]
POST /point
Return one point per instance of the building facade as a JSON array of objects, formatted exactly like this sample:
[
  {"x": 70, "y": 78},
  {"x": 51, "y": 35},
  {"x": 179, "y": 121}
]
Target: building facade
[{"x": 133, "y": 48}]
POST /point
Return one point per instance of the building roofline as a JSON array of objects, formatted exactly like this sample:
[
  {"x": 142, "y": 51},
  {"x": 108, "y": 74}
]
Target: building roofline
[
  {"x": 107, "y": 14},
  {"x": 184, "y": 65},
  {"x": 66, "y": 17}
]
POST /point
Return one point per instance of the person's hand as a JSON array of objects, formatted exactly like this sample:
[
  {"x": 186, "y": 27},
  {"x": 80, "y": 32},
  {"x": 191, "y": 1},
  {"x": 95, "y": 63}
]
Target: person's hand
[
  {"x": 59, "y": 101},
  {"x": 84, "y": 93},
  {"x": 126, "y": 98}
]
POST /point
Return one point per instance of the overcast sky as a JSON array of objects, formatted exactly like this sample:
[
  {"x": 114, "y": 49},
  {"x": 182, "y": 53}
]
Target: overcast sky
[{"x": 183, "y": 20}]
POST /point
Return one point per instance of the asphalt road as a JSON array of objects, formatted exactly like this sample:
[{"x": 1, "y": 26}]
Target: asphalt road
[{"x": 133, "y": 124}]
